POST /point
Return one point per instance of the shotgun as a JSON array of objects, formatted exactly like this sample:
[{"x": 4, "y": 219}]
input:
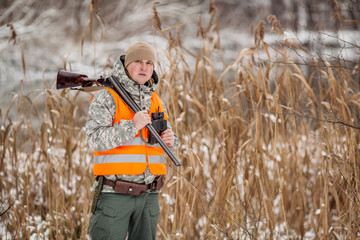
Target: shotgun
[{"x": 81, "y": 82}]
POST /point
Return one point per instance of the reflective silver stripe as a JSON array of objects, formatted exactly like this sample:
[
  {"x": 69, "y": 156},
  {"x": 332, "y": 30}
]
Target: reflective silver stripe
[
  {"x": 156, "y": 159},
  {"x": 123, "y": 158},
  {"x": 128, "y": 158},
  {"x": 135, "y": 141}
]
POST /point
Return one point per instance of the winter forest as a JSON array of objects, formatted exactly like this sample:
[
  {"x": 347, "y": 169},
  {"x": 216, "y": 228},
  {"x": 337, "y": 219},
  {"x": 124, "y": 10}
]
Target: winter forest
[{"x": 264, "y": 96}]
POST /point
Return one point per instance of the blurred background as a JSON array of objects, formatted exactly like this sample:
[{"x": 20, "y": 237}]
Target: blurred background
[{"x": 37, "y": 37}]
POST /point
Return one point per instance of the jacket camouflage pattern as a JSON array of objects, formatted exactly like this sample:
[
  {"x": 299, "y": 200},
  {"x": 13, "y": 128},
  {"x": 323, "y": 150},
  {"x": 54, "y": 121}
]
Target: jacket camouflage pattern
[{"x": 101, "y": 135}]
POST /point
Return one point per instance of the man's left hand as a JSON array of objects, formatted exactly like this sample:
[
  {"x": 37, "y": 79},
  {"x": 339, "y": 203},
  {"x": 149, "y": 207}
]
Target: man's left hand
[{"x": 168, "y": 137}]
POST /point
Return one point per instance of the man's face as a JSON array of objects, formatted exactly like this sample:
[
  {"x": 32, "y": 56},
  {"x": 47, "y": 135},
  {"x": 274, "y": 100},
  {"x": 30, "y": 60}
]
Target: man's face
[{"x": 140, "y": 70}]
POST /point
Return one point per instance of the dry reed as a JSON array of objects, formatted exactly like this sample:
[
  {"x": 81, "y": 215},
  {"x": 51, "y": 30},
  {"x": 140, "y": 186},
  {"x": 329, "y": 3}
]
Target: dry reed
[{"x": 267, "y": 152}]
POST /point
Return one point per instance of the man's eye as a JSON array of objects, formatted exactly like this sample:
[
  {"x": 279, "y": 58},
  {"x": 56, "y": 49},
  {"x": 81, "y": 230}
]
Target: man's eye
[{"x": 149, "y": 63}]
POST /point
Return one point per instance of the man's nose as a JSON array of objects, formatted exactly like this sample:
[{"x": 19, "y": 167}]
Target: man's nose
[{"x": 142, "y": 65}]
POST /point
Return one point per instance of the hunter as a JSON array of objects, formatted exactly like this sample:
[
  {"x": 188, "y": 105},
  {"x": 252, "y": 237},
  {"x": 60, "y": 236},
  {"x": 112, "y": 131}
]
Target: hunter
[{"x": 129, "y": 168}]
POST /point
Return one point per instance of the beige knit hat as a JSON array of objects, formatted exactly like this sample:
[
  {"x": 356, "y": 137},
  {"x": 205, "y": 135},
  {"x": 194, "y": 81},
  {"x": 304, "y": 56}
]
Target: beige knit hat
[{"x": 139, "y": 51}]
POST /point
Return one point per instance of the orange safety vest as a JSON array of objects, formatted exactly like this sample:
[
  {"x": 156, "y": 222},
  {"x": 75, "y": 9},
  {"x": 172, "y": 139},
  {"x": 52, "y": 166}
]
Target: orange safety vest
[{"x": 132, "y": 157}]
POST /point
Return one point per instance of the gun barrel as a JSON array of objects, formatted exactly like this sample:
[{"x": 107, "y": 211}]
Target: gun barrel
[
  {"x": 68, "y": 79},
  {"x": 135, "y": 108}
]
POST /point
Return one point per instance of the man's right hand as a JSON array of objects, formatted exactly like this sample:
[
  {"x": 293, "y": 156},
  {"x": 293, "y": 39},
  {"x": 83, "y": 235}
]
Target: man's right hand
[{"x": 141, "y": 119}]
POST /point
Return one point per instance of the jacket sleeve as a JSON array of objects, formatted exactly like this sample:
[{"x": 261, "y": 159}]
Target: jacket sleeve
[{"x": 101, "y": 135}]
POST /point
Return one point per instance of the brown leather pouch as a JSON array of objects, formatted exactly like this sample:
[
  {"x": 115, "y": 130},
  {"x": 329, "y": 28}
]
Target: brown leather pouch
[{"x": 130, "y": 188}]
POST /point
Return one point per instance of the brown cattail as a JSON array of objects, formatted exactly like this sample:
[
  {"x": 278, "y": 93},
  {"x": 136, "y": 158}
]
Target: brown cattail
[
  {"x": 156, "y": 22},
  {"x": 200, "y": 31},
  {"x": 13, "y": 33},
  {"x": 276, "y": 26},
  {"x": 259, "y": 33}
]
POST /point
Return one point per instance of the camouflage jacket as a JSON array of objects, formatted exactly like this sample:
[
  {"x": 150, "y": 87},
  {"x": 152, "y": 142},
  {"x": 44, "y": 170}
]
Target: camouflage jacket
[{"x": 101, "y": 135}]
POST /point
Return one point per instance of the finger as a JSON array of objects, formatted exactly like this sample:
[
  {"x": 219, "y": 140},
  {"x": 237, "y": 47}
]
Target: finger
[
  {"x": 169, "y": 135},
  {"x": 169, "y": 142},
  {"x": 167, "y": 132},
  {"x": 168, "y": 139}
]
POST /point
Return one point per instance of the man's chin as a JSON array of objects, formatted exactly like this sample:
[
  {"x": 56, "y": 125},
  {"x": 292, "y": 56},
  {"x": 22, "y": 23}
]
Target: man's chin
[{"x": 141, "y": 81}]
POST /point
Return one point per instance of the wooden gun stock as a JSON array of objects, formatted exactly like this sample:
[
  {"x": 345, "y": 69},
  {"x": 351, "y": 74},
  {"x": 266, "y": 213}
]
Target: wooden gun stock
[{"x": 72, "y": 80}]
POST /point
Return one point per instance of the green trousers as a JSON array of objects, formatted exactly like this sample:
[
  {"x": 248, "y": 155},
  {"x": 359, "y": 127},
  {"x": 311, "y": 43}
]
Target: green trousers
[{"x": 117, "y": 215}]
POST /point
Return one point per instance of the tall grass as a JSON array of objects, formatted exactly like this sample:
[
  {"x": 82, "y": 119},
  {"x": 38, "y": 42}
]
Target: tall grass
[
  {"x": 268, "y": 152},
  {"x": 45, "y": 170}
]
